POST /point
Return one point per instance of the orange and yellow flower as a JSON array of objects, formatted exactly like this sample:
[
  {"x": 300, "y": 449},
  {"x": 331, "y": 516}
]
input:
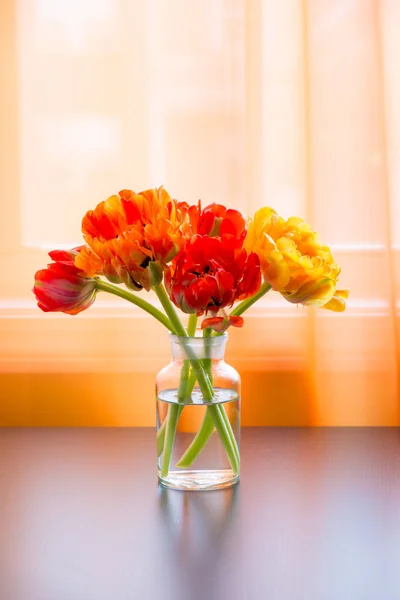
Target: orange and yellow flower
[
  {"x": 126, "y": 233},
  {"x": 293, "y": 260}
]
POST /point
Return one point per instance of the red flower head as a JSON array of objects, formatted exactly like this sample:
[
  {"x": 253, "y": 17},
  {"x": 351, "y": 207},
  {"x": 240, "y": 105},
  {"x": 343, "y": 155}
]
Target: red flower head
[
  {"x": 62, "y": 287},
  {"x": 211, "y": 273},
  {"x": 216, "y": 220}
]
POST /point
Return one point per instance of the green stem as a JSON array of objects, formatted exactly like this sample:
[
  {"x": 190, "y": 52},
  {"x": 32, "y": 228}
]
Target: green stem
[
  {"x": 206, "y": 389},
  {"x": 152, "y": 310},
  {"x": 204, "y": 434},
  {"x": 192, "y": 324},
  {"x": 186, "y": 386},
  {"x": 228, "y": 426},
  {"x": 239, "y": 310},
  {"x": 223, "y": 432},
  {"x": 170, "y": 310},
  {"x": 245, "y": 304},
  {"x": 198, "y": 443},
  {"x": 161, "y": 432},
  {"x": 207, "y": 362},
  {"x": 170, "y": 430},
  {"x": 183, "y": 384},
  {"x": 207, "y": 427},
  {"x": 161, "y": 436},
  {"x": 135, "y": 299},
  {"x": 174, "y": 411},
  {"x": 192, "y": 380}
]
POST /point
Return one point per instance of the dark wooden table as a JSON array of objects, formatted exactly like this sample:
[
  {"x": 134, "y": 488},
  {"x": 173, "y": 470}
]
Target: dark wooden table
[{"x": 316, "y": 516}]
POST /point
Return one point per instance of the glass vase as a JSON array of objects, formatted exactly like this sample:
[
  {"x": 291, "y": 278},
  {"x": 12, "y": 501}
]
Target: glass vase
[{"x": 198, "y": 416}]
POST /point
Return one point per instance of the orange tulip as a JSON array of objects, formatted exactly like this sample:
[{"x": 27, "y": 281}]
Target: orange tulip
[{"x": 126, "y": 233}]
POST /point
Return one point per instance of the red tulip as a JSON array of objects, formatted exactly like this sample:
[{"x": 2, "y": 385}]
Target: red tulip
[
  {"x": 62, "y": 287},
  {"x": 216, "y": 220},
  {"x": 211, "y": 273}
]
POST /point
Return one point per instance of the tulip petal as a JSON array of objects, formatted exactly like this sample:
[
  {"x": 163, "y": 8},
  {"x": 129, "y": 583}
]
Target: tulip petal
[
  {"x": 221, "y": 324},
  {"x": 313, "y": 293},
  {"x": 338, "y": 302}
]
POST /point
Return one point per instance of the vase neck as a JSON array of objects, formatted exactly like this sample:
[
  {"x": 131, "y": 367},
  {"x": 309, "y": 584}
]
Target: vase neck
[{"x": 198, "y": 347}]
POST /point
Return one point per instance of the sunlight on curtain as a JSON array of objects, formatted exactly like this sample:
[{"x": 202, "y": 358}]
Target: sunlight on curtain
[
  {"x": 293, "y": 104},
  {"x": 350, "y": 166},
  {"x": 131, "y": 94}
]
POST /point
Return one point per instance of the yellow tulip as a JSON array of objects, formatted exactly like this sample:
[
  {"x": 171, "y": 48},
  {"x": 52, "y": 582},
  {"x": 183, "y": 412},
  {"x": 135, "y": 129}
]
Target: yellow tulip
[{"x": 294, "y": 261}]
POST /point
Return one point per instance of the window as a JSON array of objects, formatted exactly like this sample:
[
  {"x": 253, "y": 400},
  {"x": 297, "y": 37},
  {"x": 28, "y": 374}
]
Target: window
[{"x": 248, "y": 102}]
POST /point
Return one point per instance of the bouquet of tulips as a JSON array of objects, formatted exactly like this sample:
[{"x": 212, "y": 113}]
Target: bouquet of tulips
[{"x": 208, "y": 262}]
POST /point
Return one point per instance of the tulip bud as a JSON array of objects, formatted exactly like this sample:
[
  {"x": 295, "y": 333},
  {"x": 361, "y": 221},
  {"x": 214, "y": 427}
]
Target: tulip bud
[{"x": 62, "y": 287}]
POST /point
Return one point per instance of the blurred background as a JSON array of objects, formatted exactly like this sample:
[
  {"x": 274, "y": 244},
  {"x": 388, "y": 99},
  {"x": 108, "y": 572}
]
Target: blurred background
[{"x": 293, "y": 104}]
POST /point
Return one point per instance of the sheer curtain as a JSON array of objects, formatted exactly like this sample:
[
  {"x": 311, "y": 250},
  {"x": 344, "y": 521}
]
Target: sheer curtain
[{"x": 293, "y": 104}]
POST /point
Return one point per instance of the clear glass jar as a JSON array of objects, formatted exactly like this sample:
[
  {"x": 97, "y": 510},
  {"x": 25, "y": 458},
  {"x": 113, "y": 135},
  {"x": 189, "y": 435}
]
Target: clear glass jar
[{"x": 198, "y": 416}]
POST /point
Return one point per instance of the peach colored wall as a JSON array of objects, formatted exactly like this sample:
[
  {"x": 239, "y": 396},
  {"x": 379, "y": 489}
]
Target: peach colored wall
[{"x": 127, "y": 399}]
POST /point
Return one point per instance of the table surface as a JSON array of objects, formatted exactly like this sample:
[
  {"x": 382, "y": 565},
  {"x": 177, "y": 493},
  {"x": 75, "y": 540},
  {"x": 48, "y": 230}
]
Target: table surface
[{"x": 316, "y": 516}]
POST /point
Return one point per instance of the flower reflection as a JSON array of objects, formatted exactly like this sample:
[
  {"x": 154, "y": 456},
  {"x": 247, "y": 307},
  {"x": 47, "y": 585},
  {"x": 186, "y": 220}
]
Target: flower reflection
[{"x": 196, "y": 526}]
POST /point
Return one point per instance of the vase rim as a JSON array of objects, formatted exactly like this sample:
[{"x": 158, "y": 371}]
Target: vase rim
[
  {"x": 210, "y": 340},
  {"x": 185, "y": 347}
]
